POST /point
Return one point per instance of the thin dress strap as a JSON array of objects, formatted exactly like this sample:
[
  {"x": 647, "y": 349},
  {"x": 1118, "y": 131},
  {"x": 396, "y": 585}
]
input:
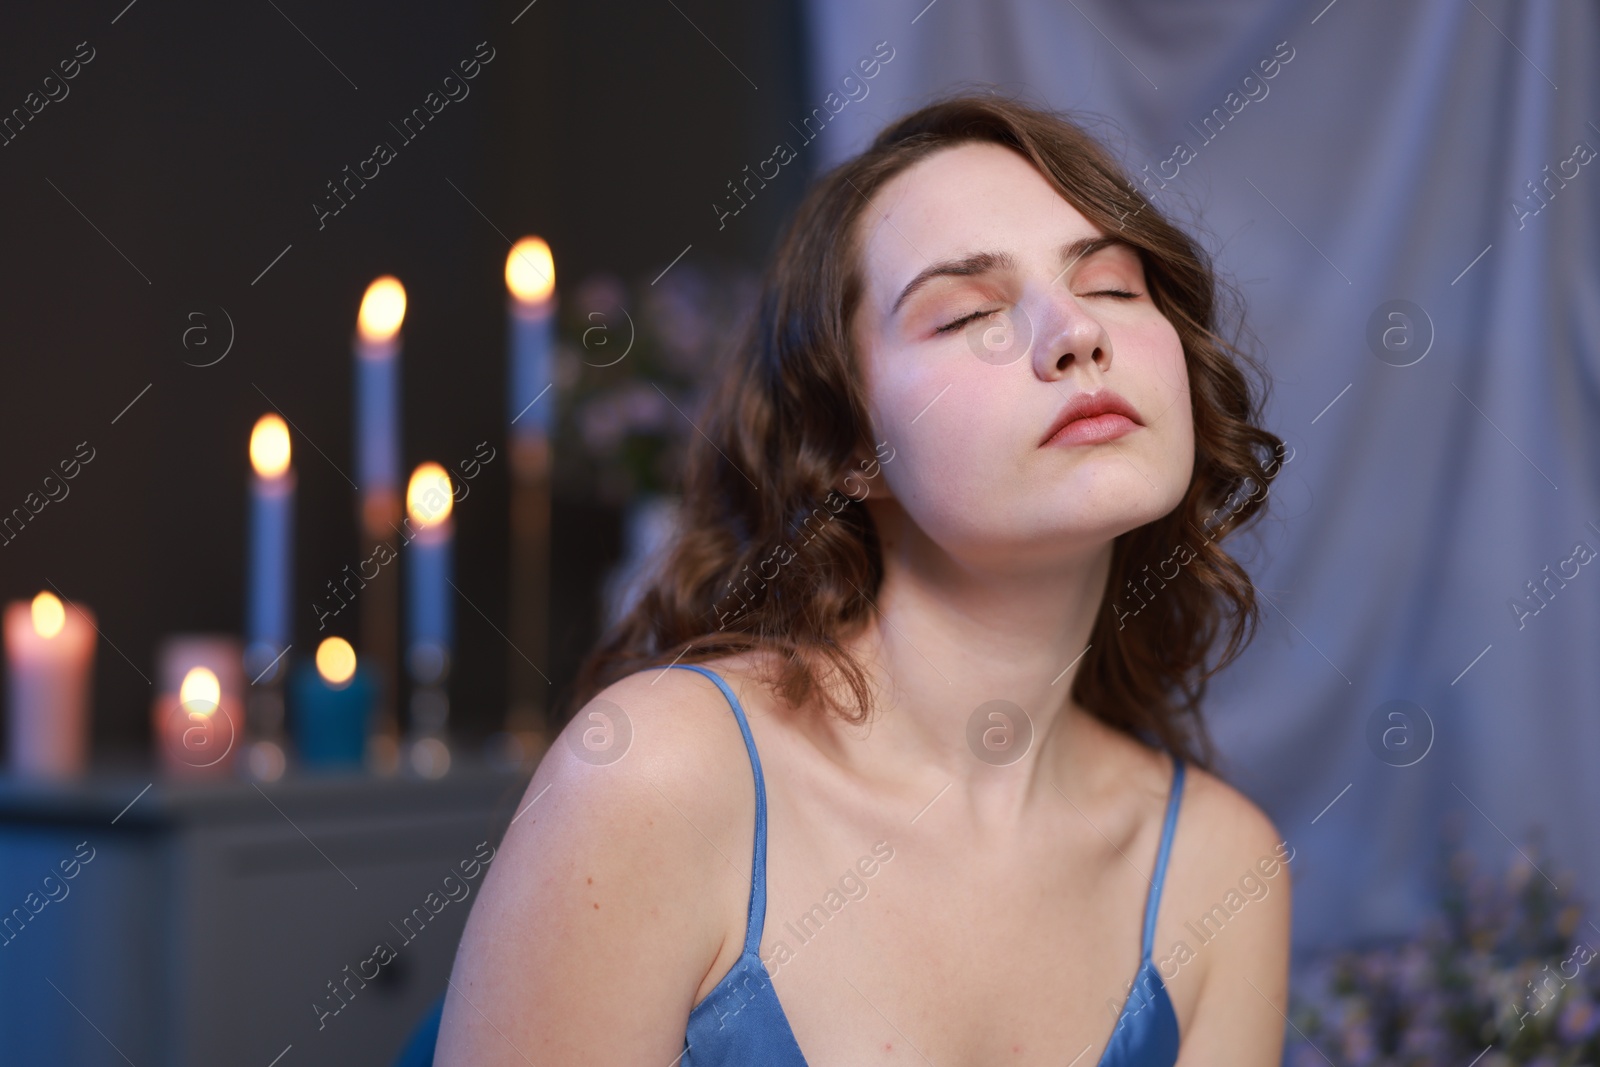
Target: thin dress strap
[
  {"x": 758, "y": 867},
  {"x": 1154, "y": 903}
]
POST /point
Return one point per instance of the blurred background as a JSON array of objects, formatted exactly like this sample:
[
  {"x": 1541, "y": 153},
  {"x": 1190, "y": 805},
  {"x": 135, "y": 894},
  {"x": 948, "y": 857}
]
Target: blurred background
[{"x": 1405, "y": 196}]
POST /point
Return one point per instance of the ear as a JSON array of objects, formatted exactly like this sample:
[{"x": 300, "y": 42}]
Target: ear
[{"x": 863, "y": 477}]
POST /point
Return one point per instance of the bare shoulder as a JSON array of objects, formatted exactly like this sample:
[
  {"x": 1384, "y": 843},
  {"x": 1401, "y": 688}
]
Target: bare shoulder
[
  {"x": 656, "y": 757},
  {"x": 613, "y": 883},
  {"x": 656, "y": 743},
  {"x": 1228, "y": 890},
  {"x": 1220, "y": 828},
  {"x": 1226, "y": 852},
  {"x": 671, "y": 723}
]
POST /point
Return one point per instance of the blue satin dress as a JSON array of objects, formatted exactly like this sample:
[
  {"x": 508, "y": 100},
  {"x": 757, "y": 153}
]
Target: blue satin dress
[{"x": 741, "y": 1024}]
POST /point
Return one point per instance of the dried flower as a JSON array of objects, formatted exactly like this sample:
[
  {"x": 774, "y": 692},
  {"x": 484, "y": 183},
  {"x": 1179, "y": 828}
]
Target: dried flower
[
  {"x": 1496, "y": 974},
  {"x": 631, "y": 353}
]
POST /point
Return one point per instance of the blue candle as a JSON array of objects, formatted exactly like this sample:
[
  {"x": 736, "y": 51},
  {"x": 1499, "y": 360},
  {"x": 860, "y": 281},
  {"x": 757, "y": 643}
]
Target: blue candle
[
  {"x": 377, "y": 392},
  {"x": 330, "y": 705},
  {"x": 531, "y": 281},
  {"x": 431, "y": 533},
  {"x": 271, "y": 545}
]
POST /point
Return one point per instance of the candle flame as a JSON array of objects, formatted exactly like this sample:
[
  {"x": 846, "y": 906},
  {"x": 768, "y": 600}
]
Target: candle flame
[
  {"x": 382, "y": 309},
  {"x": 48, "y": 615},
  {"x": 269, "y": 446},
  {"x": 336, "y": 661},
  {"x": 530, "y": 270},
  {"x": 429, "y": 495},
  {"x": 200, "y": 693}
]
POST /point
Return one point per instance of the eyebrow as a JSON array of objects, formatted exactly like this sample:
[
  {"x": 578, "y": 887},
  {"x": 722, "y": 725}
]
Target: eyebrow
[{"x": 985, "y": 262}]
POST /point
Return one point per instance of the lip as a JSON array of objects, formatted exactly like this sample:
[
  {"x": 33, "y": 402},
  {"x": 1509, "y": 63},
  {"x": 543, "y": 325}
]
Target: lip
[{"x": 1092, "y": 417}]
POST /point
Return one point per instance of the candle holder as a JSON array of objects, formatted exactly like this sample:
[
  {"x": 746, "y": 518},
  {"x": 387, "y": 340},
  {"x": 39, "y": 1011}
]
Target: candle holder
[
  {"x": 527, "y": 724},
  {"x": 380, "y": 636},
  {"x": 266, "y": 749},
  {"x": 197, "y": 715},
  {"x": 427, "y": 748}
]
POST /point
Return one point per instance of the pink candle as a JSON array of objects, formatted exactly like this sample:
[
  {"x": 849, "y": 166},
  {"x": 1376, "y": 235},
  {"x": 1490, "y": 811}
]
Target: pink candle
[
  {"x": 49, "y": 656},
  {"x": 198, "y": 728}
]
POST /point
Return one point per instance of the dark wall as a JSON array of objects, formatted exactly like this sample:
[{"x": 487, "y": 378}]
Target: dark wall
[{"x": 188, "y": 154}]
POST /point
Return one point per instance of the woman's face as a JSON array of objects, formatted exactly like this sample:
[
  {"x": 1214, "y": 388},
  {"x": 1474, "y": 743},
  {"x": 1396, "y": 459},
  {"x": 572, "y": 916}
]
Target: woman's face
[{"x": 980, "y": 322}]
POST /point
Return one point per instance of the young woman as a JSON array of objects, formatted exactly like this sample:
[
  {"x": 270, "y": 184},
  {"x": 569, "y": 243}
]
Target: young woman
[{"x": 899, "y": 758}]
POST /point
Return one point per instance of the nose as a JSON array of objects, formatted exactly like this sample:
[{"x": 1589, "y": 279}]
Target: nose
[{"x": 1069, "y": 334}]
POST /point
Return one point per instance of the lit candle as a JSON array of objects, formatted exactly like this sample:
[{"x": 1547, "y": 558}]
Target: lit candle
[
  {"x": 271, "y": 548},
  {"x": 383, "y": 308},
  {"x": 530, "y": 283},
  {"x": 197, "y": 715},
  {"x": 377, "y": 441},
  {"x": 331, "y": 704},
  {"x": 198, "y": 728},
  {"x": 49, "y": 654},
  {"x": 428, "y": 615},
  {"x": 531, "y": 280}
]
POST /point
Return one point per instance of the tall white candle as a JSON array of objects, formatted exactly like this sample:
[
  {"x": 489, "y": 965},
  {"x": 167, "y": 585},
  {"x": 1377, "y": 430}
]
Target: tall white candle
[
  {"x": 531, "y": 282},
  {"x": 267, "y": 627},
  {"x": 377, "y": 391},
  {"x": 430, "y": 621},
  {"x": 49, "y": 658}
]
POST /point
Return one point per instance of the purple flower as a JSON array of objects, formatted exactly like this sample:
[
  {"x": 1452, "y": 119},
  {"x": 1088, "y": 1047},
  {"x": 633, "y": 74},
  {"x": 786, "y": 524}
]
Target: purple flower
[
  {"x": 1518, "y": 874},
  {"x": 635, "y": 408},
  {"x": 1430, "y": 1042},
  {"x": 1358, "y": 1047},
  {"x": 679, "y": 312},
  {"x": 646, "y": 409},
  {"x": 602, "y": 292},
  {"x": 602, "y": 424},
  {"x": 1579, "y": 1020}
]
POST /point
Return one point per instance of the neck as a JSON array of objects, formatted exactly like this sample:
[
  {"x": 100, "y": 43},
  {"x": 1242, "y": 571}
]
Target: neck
[{"x": 949, "y": 637}]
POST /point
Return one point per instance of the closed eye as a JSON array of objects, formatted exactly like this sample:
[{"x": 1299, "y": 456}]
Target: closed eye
[
  {"x": 957, "y": 324},
  {"x": 1121, "y": 294}
]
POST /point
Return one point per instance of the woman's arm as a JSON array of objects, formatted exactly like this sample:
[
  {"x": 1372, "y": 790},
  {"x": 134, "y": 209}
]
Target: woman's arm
[
  {"x": 608, "y": 899},
  {"x": 1240, "y": 1012}
]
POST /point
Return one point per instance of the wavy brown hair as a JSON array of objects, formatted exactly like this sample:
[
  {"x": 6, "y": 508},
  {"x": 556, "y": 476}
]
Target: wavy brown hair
[{"x": 787, "y": 417}]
